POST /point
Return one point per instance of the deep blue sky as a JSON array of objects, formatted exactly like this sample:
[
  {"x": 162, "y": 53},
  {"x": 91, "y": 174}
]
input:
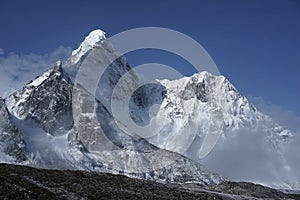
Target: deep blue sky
[{"x": 255, "y": 43}]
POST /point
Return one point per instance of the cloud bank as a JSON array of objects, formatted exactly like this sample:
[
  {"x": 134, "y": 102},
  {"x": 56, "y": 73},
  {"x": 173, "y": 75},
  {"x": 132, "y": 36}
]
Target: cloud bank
[
  {"x": 278, "y": 113},
  {"x": 246, "y": 155},
  {"x": 18, "y": 69}
]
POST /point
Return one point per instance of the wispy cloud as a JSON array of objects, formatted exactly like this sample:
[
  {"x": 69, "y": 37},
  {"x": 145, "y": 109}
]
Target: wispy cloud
[
  {"x": 278, "y": 113},
  {"x": 247, "y": 155},
  {"x": 18, "y": 69}
]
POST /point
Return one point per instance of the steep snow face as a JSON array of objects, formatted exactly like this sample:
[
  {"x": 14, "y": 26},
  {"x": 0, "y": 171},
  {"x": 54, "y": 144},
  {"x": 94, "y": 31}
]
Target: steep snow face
[
  {"x": 208, "y": 91},
  {"x": 99, "y": 62},
  {"x": 94, "y": 39}
]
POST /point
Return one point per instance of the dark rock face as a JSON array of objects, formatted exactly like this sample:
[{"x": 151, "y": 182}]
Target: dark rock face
[
  {"x": 11, "y": 140},
  {"x": 45, "y": 102}
]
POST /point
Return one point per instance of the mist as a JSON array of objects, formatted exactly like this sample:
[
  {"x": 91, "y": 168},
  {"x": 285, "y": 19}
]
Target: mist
[
  {"x": 248, "y": 155},
  {"x": 18, "y": 69}
]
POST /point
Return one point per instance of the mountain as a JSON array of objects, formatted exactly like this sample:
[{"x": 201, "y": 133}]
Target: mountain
[
  {"x": 186, "y": 114},
  {"x": 45, "y": 102},
  {"x": 62, "y": 120},
  {"x": 56, "y": 119}
]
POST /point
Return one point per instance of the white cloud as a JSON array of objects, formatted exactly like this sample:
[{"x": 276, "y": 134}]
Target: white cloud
[
  {"x": 18, "y": 69},
  {"x": 1, "y": 51},
  {"x": 246, "y": 155},
  {"x": 278, "y": 113}
]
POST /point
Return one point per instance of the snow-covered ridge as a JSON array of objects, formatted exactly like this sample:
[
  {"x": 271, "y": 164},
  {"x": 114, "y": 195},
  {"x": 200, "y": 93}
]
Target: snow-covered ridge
[
  {"x": 95, "y": 38},
  {"x": 55, "y": 70},
  {"x": 202, "y": 102},
  {"x": 23, "y": 95},
  {"x": 39, "y": 80}
]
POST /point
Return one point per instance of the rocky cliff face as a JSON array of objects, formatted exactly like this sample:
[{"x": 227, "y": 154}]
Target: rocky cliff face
[
  {"x": 11, "y": 140},
  {"x": 45, "y": 102}
]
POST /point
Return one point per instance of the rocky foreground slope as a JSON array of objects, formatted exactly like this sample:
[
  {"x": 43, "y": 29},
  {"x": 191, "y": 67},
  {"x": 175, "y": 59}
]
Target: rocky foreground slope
[{"x": 20, "y": 182}]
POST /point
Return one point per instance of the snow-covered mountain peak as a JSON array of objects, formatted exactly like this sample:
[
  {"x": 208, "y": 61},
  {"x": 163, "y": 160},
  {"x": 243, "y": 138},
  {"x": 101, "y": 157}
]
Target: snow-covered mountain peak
[
  {"x": 45, "y": 101},
  {"x": 203, "y": 102},
  {"x": 206, "y": 75},
  {"x": 58, "y": 66},
  {"x": 57, "y": 70},
  {"x": 203, "y": 85},
  {"x": 94, "y": 39}
]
